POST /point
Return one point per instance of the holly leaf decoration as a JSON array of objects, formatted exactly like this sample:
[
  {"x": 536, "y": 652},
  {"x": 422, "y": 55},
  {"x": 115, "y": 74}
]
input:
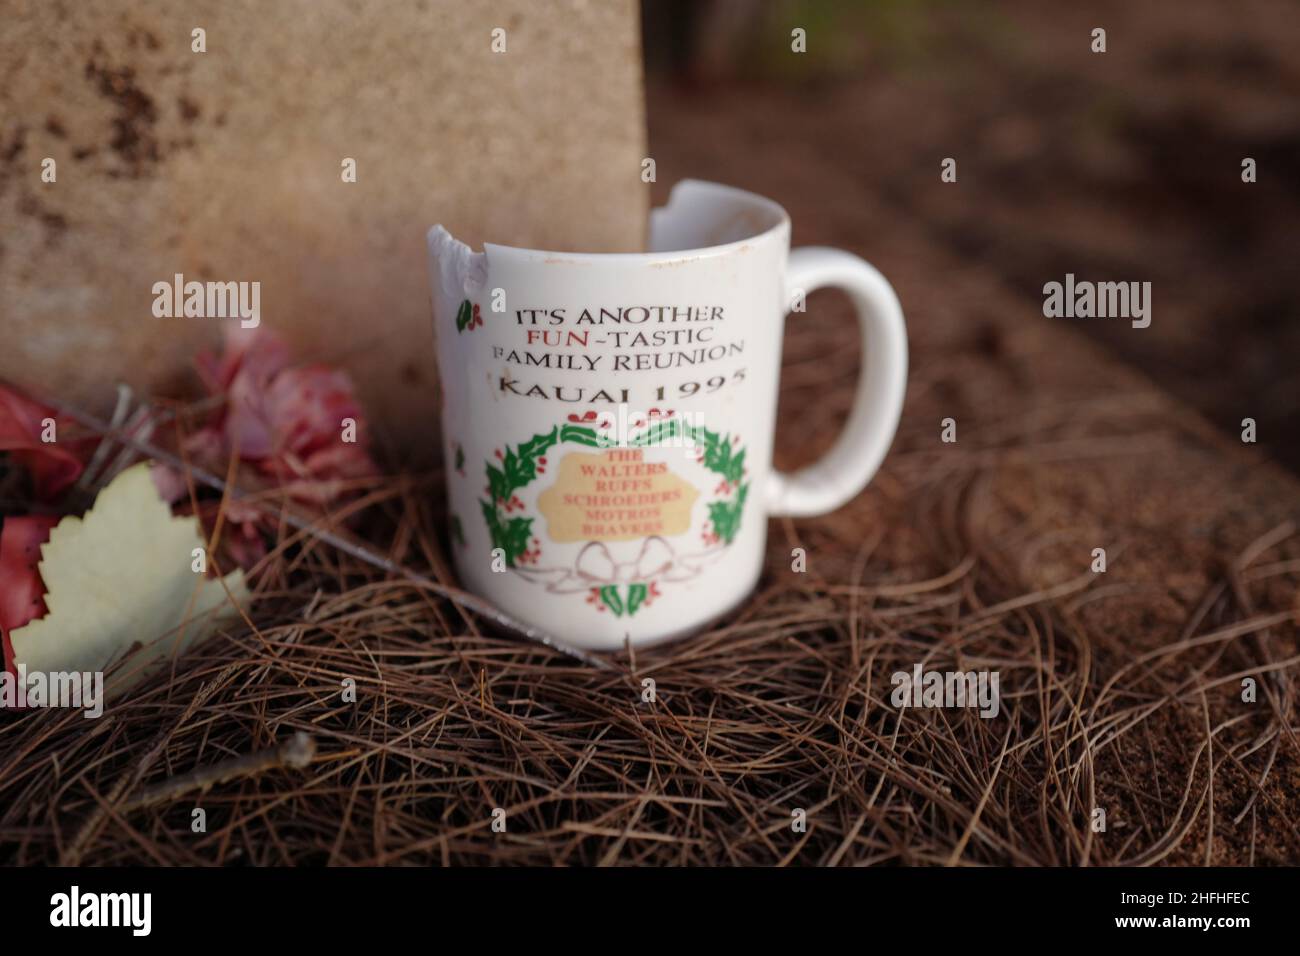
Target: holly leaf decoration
[
  {"x": 498, "y": 484},
  {"x": 511, "y": 535},
  {"x": 515, "y": 540},
  {"x": 610, "y": 596},
  {"x": 636, "y": 595},
  {"x": 518, "y": 468},
  {"x": 718, "y": 457},
  {"x": 736, "y": 467},
  {"x": 661, "y": 432},
  {"x": 725, "y": 515},
  {"x": 521, "y": 465},
  {"x": 464, "y": 316},
  {"x": 584, "y": 435},
  {"x": 538, "y": 445}
]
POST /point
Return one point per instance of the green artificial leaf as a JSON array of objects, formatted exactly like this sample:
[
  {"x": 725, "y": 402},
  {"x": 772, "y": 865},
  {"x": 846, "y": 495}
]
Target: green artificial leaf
[{"x": 464, "y": 316}]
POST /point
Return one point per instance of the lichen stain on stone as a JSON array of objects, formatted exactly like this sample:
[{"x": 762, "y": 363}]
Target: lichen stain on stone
[
  {"x": 136, "y": 142},
  {"x": 133, "y": 136},
  {"x": 54, "y": 222}
]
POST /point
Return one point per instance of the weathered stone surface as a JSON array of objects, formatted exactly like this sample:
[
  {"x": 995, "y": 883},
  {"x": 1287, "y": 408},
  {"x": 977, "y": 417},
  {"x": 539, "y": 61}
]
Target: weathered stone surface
[{"x": 226, "y": 165}]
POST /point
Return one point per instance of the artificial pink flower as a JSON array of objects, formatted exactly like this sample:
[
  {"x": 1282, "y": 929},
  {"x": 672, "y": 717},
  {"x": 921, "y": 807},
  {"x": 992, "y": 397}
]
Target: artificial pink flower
[{"x": 286, "y": 421}]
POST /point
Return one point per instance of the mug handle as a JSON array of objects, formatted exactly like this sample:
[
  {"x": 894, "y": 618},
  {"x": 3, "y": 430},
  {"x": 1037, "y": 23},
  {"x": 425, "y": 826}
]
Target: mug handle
[{"x": 850, "y": 464}]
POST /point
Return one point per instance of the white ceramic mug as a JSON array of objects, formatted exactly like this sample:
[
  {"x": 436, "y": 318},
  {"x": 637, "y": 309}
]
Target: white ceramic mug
[{"x": 608, "y": 419}]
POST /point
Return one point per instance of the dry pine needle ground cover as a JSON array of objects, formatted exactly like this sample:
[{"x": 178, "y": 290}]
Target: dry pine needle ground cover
[{"x": 1120, "y": 691}]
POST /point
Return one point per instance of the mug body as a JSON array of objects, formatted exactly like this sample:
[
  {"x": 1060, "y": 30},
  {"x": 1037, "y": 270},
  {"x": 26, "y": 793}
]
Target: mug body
[{"x": 608, "y": 419}]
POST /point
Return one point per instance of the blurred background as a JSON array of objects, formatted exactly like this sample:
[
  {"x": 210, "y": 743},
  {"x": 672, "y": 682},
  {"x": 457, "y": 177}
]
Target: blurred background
[{"x": 1122, "y": 166}]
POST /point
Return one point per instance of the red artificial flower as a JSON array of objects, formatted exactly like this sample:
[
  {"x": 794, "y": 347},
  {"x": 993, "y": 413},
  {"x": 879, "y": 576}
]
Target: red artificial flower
[
  {"x": 53, "y": 465},
  {"x": 22, "y": 592}
]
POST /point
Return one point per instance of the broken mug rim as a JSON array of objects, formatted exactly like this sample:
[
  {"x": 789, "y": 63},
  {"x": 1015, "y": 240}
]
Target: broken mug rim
[{"x": 682, "y": 204}]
